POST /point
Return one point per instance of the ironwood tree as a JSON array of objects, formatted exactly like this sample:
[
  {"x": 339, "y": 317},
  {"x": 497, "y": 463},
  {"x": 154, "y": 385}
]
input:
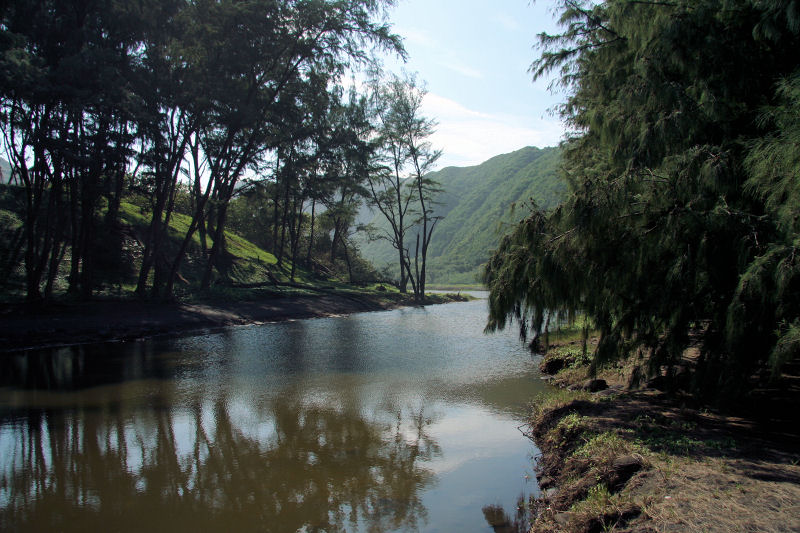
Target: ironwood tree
[{"x": 680, "y": 222}]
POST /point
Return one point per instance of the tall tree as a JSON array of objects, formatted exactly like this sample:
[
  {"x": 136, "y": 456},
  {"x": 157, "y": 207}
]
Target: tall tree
[
  {"x": 66, "y": 122},
  {"x": 422, "y": 158},
  {"x": 253, "y": 77},
  {"x": 165, "y": 125},
  {"x": 400, "y": 190},
  {"x": 659, "y": 239},
  {"x": 254, "y": 58}
]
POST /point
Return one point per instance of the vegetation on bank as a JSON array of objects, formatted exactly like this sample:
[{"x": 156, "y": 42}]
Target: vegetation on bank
[
  {"x": 633, "y": 458},
  {"x": 219, "y": 121},
  {"x": 252, "y": 273},
  {"x": 681, "y": 224}
]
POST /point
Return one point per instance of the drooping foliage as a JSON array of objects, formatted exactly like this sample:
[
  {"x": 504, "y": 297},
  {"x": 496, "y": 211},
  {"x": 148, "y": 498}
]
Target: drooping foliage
[{"x": 683, "y": 178}]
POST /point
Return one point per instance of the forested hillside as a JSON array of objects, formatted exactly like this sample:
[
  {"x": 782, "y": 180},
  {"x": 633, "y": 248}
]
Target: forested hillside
[{"x": 479, "y": 205}]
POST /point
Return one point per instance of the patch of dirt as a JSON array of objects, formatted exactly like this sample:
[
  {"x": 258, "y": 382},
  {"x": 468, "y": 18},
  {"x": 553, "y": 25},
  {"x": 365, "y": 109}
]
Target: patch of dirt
[{"x": 644, "y": 462}]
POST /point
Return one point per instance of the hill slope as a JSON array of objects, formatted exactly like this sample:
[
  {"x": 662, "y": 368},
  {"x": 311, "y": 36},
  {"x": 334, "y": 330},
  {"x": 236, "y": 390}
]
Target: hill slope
[{"x": 476, "y": 203}]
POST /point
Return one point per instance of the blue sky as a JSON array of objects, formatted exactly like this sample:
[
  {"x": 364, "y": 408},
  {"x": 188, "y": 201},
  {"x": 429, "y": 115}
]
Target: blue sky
[{"x": 474, "y": 57}]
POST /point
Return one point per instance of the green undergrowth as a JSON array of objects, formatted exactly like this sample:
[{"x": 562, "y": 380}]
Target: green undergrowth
[{"x": 250, "y": 271}]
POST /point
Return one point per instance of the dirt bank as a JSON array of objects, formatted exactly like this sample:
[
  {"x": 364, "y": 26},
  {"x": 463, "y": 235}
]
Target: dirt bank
[
  {"x": 645, "y": 461},
  {"x": 26, "y": 327}
]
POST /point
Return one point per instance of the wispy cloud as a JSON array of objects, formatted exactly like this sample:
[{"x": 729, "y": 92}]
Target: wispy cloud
[
  {"x": 468, "y": 137},
  {"x": 417, "y": 37},
  {"x": 462, "y": 69},
  {"x": 507, "y": 22}
]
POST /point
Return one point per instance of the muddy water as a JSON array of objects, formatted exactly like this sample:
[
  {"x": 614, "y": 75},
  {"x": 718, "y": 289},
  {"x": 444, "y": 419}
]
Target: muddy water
[{"x": 393, "y": 421}]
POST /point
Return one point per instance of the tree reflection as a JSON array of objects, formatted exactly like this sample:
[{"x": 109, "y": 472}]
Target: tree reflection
[
  {"x": 500, "y": 522},
  {"x": 216, "y": 463}
]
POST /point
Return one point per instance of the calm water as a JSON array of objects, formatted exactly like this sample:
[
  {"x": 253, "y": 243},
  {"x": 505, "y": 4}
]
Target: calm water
[{"x": 393, "y": 421}]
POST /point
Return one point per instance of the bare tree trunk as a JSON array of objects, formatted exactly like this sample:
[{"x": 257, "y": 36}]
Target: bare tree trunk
[
  {"x": 217, "y": 247},
  {"x": 296, "y": 230},
  {"x": 275, "y": 218},
  {"x": 311, "y": 231},
  {"x": 284, "y": 222},
  {"x": 347, "y": 260}
]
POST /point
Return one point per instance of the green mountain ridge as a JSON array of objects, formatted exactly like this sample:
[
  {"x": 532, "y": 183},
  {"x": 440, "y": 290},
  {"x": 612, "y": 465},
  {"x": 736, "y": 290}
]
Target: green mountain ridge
[{"x": 477, "y": 204}]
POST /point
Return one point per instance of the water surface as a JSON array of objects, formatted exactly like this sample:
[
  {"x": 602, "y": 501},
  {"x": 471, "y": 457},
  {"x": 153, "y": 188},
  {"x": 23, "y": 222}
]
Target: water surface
[{"x": 393, "y": 421}]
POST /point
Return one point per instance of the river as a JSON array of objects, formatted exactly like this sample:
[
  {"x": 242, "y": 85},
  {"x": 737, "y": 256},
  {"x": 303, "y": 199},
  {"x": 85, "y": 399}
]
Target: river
[{"x": 404, "y": 420}]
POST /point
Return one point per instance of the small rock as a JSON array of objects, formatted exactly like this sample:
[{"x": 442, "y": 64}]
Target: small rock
[
  {"x": 623, "y": 468},
  {"x": 628, "y": 462}
]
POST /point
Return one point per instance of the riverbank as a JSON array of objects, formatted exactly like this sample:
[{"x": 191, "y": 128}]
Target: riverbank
[
  {"x": 644, "y": 461},
  {"x": 24, "y": 326}
]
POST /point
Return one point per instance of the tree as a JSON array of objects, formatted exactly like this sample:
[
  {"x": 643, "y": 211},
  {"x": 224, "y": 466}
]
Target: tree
[
  {"x": 401, "y": 189},
  {"x": 423, "y": 158},
  {"x": 255, "y": 77},
  {"x": 659, "y": 240},
  {"x": 348, "y": 169},
  {"x": 165, "y": 127},
  {"x": 66, "y": 122}
]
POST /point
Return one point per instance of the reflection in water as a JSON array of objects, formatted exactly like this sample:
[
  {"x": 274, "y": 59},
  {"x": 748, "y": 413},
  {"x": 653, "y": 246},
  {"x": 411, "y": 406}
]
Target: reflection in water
[
  {"x": 213, "y": 465},
  {"x": 500, "y": 522},
  {"x": 398, "y": 421}
]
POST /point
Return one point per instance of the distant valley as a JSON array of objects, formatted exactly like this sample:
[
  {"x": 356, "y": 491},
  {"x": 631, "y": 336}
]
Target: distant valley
[{"x": 476, "y": 203}]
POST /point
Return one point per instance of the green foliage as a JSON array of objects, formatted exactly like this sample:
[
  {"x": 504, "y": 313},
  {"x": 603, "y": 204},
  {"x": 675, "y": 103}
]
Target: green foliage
[
  {"x": 92, "y": 91},
  {"x": 682, "y": 169},
  {"x": 479, "y": 204}
]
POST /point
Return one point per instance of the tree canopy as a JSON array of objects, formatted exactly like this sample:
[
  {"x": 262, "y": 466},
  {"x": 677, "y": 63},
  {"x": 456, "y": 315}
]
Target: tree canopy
[
  {"x": 681, "y": 222},
  {"x": 169, "y": 100}
]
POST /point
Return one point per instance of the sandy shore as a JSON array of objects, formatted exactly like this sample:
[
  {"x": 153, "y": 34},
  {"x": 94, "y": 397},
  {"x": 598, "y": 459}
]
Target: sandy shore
[{"x": 25, "y": 327}]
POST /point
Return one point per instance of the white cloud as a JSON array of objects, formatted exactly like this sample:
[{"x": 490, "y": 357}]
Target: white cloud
[
  {"x": 462, "y": 69},
  {"x": 416, "y": 37},
  {"x": 468, "y": 137}
]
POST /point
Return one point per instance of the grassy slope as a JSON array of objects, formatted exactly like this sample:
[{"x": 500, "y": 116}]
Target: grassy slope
[
  {"x": 250, "y": 266},
  {"x": 477, "y": 207}
]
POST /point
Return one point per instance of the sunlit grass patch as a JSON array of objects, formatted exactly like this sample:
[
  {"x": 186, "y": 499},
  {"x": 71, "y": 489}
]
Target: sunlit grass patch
[
  {"x": 608, "y": 444},
  {"x": 556, "y": 398}
]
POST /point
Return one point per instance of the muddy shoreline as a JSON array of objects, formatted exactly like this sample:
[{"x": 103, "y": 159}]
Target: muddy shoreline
[
  {"x": 614, "y": 459},
  {"x": 24, "y": 327}
]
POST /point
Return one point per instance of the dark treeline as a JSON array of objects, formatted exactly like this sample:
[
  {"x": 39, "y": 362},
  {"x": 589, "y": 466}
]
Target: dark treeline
[
  {"x": 681, "y": 226},
  {"x": 231, "y": 113}
]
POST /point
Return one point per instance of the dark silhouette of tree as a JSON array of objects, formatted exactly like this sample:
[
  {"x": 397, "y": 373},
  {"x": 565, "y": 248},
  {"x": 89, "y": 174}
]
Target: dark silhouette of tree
[{"x": 675, "y": 223}]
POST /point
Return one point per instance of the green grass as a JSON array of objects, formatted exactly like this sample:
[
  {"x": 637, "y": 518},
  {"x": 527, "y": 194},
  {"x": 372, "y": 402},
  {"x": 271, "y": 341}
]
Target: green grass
[
  {"x": 250, "y": 267},
  {"x": 179, "y": 225}
]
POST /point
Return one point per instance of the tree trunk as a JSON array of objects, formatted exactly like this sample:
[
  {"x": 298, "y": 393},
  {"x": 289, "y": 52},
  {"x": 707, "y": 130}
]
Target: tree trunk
[
  {"x": 311, "y": 231},
  {"x": 347, "y": 260},
  {"x": 284, "y": 222},
  {"x": 217, "y": 247}
]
